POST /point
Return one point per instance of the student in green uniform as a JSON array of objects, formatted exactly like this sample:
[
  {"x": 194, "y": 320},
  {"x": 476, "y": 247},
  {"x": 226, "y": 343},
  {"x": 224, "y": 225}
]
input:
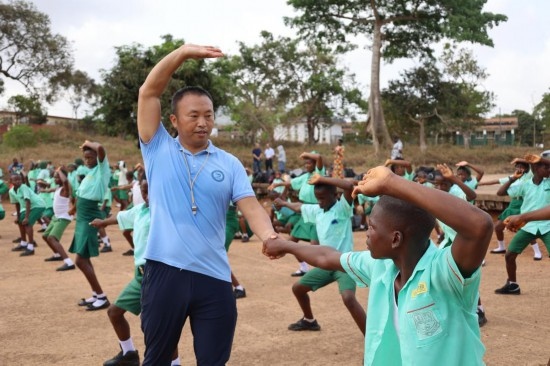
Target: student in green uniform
[
  {"x": 401, "y": 167},
  {"x": 313, "y": 163},
  {"x": 332, "y": 218},
  {"x": 89, "y": 195},
  {"x": 536, "y": 195},
  {"x": 422, "y": 301},
  {"x": 29, "y": 207},
  {"x": 60, "y": 221}
]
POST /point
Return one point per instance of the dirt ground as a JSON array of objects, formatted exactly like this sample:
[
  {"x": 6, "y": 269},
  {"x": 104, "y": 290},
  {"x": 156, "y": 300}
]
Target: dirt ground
[{"x": 41, "y": 324}]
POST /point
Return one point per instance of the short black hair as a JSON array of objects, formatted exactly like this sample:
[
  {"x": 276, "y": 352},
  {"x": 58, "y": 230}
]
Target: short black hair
[
  {"x": 525, "y": 166},
  {"x": 195, "y": 90},
  {"x": 407, "y": 218},
  {"x": 328, "y": 187},
  {"x": 465, "y": 169}
]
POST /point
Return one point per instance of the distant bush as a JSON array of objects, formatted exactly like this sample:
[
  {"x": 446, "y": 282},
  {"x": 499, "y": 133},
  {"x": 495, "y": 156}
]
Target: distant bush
[{"x": 20, "y": 136}]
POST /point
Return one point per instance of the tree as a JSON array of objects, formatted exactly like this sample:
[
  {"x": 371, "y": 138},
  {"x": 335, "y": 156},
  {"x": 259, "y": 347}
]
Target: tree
[
  {"x": 528, "y": 128},
  {"x": 414, "y": 98},
  {"x": 29, "y": 52},
  {"x": 542, "y": 114},
  {"x": 117, "y": 104},
  {"x": 284, "y": 81},
  {"x": 396, "y": 29},
  {"x": 78, "y": 87},
  {"x": 439, "y": 98},
  {"x": 27, "y": 109}
]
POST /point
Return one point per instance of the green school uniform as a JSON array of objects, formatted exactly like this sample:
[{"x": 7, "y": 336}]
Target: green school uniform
[{"x": 434, "y": 321}]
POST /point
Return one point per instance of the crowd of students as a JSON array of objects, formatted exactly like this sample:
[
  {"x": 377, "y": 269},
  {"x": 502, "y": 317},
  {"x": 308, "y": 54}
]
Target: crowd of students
[{"x": 424, "y": 305}]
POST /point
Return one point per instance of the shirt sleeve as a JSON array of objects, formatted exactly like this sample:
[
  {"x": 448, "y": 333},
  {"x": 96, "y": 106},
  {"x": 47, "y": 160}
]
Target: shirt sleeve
[
  {"x": 359, "y": 266},
  {"x": 309, "y": 212},
  {"x": 241, "y": 185},
  {"x": 126, "y": 218}
]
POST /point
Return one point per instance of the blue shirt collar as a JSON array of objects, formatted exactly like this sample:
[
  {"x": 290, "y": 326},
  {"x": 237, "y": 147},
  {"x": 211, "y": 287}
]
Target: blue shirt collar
[{"x": 210, "y": 148}]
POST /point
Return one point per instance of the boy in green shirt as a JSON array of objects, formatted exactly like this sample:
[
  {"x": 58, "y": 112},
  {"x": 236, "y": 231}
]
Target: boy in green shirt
[
  {"x": 422, "y": 300},
  {"x": 29, "y": 207}
]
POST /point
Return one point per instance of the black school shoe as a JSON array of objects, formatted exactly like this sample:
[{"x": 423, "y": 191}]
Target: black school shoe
[
  {"x": 131, "y": 358},
  {"x": 105, "y": 305},
  {"x": 509, "y": 289}
]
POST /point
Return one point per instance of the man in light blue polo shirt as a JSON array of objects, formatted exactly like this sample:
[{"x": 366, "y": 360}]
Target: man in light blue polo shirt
[
  {"x": 422, "y": 301},
  {"x": 191, "y": 183},
  {"x": 536, "y": 195}
]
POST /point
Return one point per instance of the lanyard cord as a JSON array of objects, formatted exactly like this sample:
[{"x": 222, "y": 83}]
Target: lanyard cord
[{"x": 194, "y": 207}]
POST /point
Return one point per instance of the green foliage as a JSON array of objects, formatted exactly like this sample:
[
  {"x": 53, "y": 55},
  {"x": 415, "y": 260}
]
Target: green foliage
[
  {"x": 542, "y": 112},
  {"x": 283, "y": 81},
  {"x": 20, "y": 136},
  {"x": 395, "y": 29},
  {"x": 78, "y": 88},
  {"x": 27, "y": 109},
  {"x": 29, "y": 52},
  {"x": 118, "y": 94}
]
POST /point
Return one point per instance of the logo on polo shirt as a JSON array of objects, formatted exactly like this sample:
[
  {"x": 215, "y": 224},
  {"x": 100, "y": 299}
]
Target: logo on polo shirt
[
  {"x": 218, "y": 175},
  {"x": 420, "y": 289}
]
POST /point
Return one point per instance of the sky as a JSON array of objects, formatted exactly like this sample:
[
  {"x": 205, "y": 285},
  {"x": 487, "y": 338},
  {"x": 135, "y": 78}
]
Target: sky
[{"x": 517, "y": 65}]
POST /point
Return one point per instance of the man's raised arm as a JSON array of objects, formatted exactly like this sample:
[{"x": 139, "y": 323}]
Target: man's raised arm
[{"x": 149, "y": 112}]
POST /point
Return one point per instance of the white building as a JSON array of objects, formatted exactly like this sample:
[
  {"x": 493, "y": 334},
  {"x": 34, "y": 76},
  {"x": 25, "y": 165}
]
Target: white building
[{"x": 324, "y": 134}]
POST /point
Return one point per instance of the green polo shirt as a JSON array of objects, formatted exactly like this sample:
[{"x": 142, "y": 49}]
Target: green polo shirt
[
  {"x": 534, "y": 197},
  {"x": 449, "y": 232},
  {"x": 25, "y": 193},
  {"x": 436, "y": 311},
  {"x": 333, "y": 226},
  {"x": 523, "y": 178},
  {"x": 362, "y": 199},
  {"x": 306, "y": 194},
  {"x": 96, "y": 182},
  {"x": 138, "y": 219},
  {"x": 32, "y": 177}
]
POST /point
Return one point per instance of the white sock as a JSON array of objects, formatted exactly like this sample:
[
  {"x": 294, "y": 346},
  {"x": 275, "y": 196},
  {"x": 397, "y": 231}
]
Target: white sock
[
  {"x": 303, "y": 267},
  {"x": 68, "y": 261},
  {"x": 536, "y": 250},
  {"x": 100, "y": 300},
  {"x": 245, "y": 235},
  {"x": 480, "y": 307},
  {"x": 24, "y": 243},
  {"x": 127, "y": 345},
  {"x": 93, "y": 298},
  {"x": 176, "y": 361},
  {"x": 56, "y": 255},
  {"x": 309, "y": 320},
  {"x": 105, "y": 240},
  {"x": 30, "y": 246},
  {"x": 501, "y": 244},
  {"x": 239, "y": 288}
]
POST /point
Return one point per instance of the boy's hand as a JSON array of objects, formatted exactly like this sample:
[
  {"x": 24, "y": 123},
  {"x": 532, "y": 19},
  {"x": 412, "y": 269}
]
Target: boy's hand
[
  {"x": 97, "y": 223},
  {"x": 462, "y": 163},
  {"x": 388, "y": 162},
  {"x": 72, "y": 210},
  {"x": 373, "y": 182},
  {"x": 532, "y": 158},
  {"x": 518, "y": 160},
  {"x": 278, "y": 203},
  {"x": 314, "y": 179},
  {"x": 518, "y": 173},
  {"x": 274, "y": 248},
  {"x": 514, "y": 223},
  {"x": 445, "y": 171}
]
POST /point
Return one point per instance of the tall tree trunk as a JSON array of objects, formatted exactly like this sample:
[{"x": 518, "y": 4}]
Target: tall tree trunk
[
  {"x": 422, "y": 136},
  {"x": 380, "y": 134},
  {"x": 310, "y": 131}
]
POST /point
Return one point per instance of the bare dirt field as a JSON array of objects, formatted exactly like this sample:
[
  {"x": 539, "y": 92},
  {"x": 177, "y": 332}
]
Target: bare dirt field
[{"x": 41, "y": 324}]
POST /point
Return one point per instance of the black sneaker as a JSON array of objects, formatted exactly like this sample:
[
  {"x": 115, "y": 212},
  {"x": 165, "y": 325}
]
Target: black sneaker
[
  {"x": 239, "y": 294},
  {"x": 106, "y": 249},
  {"x": 27, "y": 252},
  {"x": 304, "y": 325},
  {"x": 53, "y": 259},
  {"x": 42, "y": 230},
  {"x": 245, "y": 239},
  {"x": 129, "y": 252},
  {"x": 15, "y": 241},
  {"x": 131, "y": 358},
  {"x": 19, "y": 248},
  {"x": 509, "y": 289},
  {"x": 65, "y": 267},
  {"x": 481, "y": 318}
]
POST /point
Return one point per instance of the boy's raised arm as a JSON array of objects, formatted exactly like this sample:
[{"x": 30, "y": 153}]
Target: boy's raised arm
[
  {"x": 149, "y": 110},
  {"x": 473, "y": 226}
]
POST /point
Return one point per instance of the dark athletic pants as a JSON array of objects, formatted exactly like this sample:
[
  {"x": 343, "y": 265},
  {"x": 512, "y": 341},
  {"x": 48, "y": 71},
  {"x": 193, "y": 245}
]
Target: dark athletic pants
[{"x": 168, "y": 297}]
